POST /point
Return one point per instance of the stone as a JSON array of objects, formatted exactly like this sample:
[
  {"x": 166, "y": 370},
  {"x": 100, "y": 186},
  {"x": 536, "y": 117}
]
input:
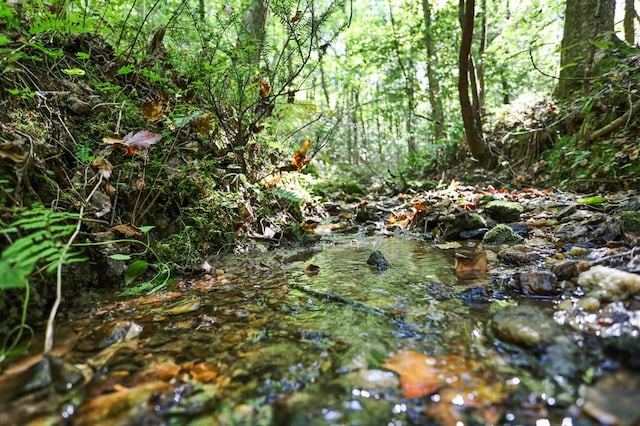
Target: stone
[
  {"x": 501, "y": 234},
  {"x": 503, "y": 211},
  {"x": 525, "y": 326},
  {"x": 377, "y": 261},
  {"x": 609, "y": 284},
  {"x": 537, "y": 283}
]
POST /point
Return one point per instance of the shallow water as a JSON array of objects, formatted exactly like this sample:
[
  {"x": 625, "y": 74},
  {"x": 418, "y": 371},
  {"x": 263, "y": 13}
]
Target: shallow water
[{"x": 265, "y": 343}]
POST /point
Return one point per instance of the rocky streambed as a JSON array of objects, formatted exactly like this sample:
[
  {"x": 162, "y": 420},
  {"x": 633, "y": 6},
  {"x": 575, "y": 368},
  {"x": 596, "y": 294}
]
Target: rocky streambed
[{"x": 464, "y": 304}]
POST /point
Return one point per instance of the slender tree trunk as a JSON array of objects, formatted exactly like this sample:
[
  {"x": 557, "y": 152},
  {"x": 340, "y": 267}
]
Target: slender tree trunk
[
  {"x": 480, "y": 66},
  {"x": 473, "y": 131},
  {"x": 434, "y": 86},
  {"x": 408, "y": 71},
  {"x": 629, "y": 19}
]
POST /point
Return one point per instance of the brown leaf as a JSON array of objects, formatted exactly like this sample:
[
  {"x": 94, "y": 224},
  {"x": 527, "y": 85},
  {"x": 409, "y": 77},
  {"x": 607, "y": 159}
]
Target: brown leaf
[
  {"x": 295, "y": 18},
  {"x": 422, "y": 375},
  {"x": 152, "y": 111},
  {"x": 202, "y": 123},
  {"x": 471, "y": 265},
  {"x": 312, "y": 270},
  {"x": 126, "y": 230},
  {"x": 104, "y": 167}
]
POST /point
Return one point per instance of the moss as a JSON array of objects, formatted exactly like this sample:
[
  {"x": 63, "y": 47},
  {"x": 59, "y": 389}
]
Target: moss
[
  {"x": 630, "y": 222},
  {"x": 501, "y": 234},
  {"x": 504, "y": 211}
]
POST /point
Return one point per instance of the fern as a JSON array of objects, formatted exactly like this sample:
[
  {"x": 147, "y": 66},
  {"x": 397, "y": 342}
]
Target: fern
[{"x": 41, "y": 245}]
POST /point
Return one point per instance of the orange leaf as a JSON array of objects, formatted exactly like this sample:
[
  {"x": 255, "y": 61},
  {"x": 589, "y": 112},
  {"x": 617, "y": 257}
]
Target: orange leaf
[
  {"x": 300, "y": 158},
  {"x": 471, "y": 265},
  {"x": 265, "y": 87},
  {"x": 422, "y": 375}
]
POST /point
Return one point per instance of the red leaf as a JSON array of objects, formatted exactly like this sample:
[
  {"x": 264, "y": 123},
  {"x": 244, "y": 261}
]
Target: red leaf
[{"x": 142, "y": 139}]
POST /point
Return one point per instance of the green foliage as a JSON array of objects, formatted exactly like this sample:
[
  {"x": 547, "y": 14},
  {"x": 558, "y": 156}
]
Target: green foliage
[{"x": 39, "y": 246}]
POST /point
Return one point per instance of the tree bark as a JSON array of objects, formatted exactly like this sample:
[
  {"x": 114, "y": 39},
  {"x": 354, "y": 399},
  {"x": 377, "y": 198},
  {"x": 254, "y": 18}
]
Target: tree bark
[
  {"x": 252, "y": 38},
  {"x": 472, "y": 130},
  {"x": 585, "y": 22},
  {"x": 629, "y": 19},
  {"x": 434, "y": 86}
]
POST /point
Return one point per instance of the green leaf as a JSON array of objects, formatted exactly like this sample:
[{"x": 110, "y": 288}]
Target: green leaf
[
  {"x": 127, "y": 69},
  {"x": 136, "y": 269},
  {"x": 11, "y": 277},
  {"x": 82, "y": 55},
  {"x": 590, "y": 201},
  {"x": 119, "y": 256},
  {"x": 146, "y": 229},
  {"x": 74, "y": 71}
]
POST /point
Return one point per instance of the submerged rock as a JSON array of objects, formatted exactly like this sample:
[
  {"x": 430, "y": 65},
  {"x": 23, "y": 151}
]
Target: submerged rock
[
  {"x": 504, "y": 211},
  {"x": 377, "y": 261},
  {"x": 614, "y": 399},
  {"x": 501, "y": 234},
  {"x": 525, "y": 326}
]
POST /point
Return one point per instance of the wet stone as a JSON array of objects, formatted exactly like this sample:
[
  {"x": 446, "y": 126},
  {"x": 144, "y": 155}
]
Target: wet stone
[
  {"x": 566, "y": 270},
  {"x": 609, "y": 284},
  {"x": 377, "y": 261},
  {"x": 109, "y": 334},
  {"x": 501, "y": 234},
  {"x": 504, "y": 211},
  {"x": 518, "y": 257},
  {"x": 536, "y": 283},
  {"x": 525, "y": 326},
  {"x": 461, "y": 222},
  {"x": 615, "y": 400},
  {"x": 630, "y": 222}
]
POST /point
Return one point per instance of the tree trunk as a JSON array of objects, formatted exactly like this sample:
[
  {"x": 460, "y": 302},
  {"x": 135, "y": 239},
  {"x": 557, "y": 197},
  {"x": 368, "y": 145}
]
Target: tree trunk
[
  {"x": 585, "y": 21},
  {"x": 480, "y": 66},
  {"x": 252, "y": 38},
  {"x": 472, "y": 130},
  {"x": 629, "y": 19},
  {"x": 434, "y": 86}
]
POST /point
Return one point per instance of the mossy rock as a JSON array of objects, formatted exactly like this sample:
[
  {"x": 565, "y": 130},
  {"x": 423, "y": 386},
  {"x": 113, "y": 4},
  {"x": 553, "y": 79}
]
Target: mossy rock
[
  {"x": 501, "y": 234},
  {"x": 503, "y": 211},
  {"x": 630, "y": 222}
]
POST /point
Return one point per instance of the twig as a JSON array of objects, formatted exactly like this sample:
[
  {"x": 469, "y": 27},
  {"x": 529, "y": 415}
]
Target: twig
[{"x": 48, "y": 341}]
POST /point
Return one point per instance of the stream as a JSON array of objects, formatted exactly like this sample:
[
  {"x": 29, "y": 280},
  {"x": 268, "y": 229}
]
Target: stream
[{"x": 316, "y": 336}]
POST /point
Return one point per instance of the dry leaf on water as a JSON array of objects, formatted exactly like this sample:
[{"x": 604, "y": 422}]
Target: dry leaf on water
[
  {"x": 471, "y": 265},
  {"x": 422, "y": 375}
]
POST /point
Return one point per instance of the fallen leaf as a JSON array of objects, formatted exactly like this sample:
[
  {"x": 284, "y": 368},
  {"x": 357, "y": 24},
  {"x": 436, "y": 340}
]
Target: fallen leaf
[
  {"x": 471, "y": 265},
  {"x": 142, "y": 139},
  {"x": 104, "y": 167},
  {"x": 202, "y": 123},
  {"x": 422, "y": 375},
  {"x": 126, "y": 230},
  {"x": 152, "y": 111}
]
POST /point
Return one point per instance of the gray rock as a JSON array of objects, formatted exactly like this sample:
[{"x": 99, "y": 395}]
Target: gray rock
[{"x": 525, "y": 326}]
